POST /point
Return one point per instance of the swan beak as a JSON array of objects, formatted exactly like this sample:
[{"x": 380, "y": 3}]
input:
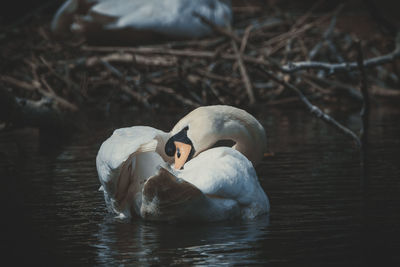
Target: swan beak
[{"x": 182, "y": 153}]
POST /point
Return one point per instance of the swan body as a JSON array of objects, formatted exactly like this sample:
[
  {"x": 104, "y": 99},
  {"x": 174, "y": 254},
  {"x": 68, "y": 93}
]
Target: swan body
[
  {"x": 138, "y": 178},
  {"x": 139, "y": 21},
  {"x": 228, "y": 174}
]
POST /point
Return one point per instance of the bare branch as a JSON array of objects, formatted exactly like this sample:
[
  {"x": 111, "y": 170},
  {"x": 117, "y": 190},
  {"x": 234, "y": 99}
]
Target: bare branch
[
  {"x": 35, "y": 85},
  {"x": 172, "y": 93},
  {"x": 345, "y": 66},
  {"x": 327, "y": 34},
  {"x": 243, "y": 73},
  {"x": 245, "y": 38},
  {"x": 313, "y": 109},
  {"x": 165, "y": 61},
  {"x": 364, "y": 90},
  {"x": 216, "y": 28},
  {"x": 153, "y": 50},
  {"x": 24, "y": 112}
]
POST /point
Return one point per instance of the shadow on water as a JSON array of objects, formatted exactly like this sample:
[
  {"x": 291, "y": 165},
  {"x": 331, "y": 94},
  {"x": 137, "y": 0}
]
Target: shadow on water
[{"x": 322, "y": 212}]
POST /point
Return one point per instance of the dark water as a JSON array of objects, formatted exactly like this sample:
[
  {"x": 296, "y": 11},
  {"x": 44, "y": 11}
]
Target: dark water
[{"x": 324, "y": 211}]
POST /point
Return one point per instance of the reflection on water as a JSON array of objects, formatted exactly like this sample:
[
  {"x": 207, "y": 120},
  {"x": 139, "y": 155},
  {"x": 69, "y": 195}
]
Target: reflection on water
[
  {"x": 162, "y": 243},
  {"x": 322, "y": 211}
]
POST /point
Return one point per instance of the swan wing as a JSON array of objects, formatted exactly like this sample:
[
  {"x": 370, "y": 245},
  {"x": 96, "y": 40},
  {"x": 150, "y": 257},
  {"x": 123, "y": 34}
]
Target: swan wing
[{"x": 120, "y": 164}]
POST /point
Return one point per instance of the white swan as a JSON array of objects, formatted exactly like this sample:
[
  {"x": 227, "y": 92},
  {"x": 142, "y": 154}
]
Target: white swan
[
  {"x": 139, "y": 21},
  {"x": 205, "y": 183}
]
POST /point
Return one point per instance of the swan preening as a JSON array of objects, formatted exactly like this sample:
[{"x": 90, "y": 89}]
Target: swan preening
[
  {"x": 179, "y": 175},
  {"x": 139, "y": 21}
]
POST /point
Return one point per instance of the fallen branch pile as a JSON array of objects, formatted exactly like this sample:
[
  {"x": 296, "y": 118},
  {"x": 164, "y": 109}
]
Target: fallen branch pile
[{"x": 257, "y": 61}]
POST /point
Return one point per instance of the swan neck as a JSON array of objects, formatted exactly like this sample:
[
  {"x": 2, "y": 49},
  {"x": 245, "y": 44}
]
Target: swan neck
[
  {"x": 247, "y": 141},
  {"x": 210, "y": 124},
  {"x": 247, "y": 133}
]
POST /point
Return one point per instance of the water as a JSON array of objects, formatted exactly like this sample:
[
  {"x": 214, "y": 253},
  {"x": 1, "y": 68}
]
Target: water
[{"x": 324, "y": 211}]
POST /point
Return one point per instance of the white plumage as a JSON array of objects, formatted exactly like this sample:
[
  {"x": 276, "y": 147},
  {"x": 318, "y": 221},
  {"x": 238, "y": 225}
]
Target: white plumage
[
  {"x": 138, "y": 20},
  {"x": 227, "y": 173},
  {"x": 218, "y": 183}
]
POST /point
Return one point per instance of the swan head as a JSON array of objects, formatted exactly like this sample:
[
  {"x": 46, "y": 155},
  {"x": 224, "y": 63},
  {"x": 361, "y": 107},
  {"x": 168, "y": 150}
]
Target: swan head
[
  {"x": 180, "y": 146},
  {"x": 205, "y": 126}
]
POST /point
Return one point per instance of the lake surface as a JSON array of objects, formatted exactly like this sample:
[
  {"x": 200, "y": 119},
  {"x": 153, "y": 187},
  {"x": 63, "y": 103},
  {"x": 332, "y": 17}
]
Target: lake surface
[{"x": 325, "y": 208}]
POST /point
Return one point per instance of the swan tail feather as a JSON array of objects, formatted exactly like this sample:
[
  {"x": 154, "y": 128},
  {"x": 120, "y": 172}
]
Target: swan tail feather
[{"x": 167, "y": 198}]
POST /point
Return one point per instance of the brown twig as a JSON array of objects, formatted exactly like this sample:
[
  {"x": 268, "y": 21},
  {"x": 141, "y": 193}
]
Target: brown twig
[
  {"x": 165, "y": 61},
  {"x": 178, "y": 52},
  {"x": 243, "y": 73},
  {"x": 350, "y": 90},
  {"x": 217, "y": 77},
  {"x": 216, "y": 28},
  {"x": 135, "y": 95},
  {"x": 173, "y": 93},
  {"x": 52, "y": 94},
  {"x": 281, "y": 39},
  {"x": 313, "y": 109},
  {"x": 152, "y": 51},
  {"x": 35, "y": 85},
  {"x": 18, "y": 83},
  {"x": 364, "y": 91},
  {"x": 384, "y": 92},
  {"x": 71, "y": 84},
  {"x": 245, "y": 38},
  {"x": 215, "y": 92},
  {"x": 327, "y": 34}
]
